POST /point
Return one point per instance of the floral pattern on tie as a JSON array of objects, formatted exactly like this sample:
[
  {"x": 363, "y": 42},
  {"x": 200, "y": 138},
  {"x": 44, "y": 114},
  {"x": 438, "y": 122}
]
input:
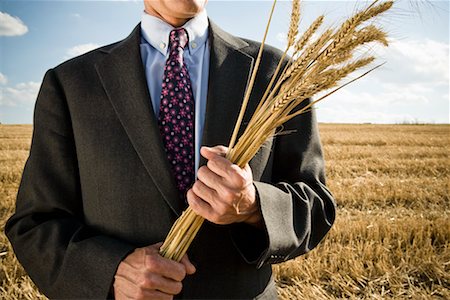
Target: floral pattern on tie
[{"x": 176, "y": 114}]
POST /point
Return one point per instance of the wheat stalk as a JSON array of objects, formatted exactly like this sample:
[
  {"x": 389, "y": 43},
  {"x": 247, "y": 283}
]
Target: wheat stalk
[
  {"x": 293, "y": 26},
  {"x": 252, "y": 81},
  {"x": 304, "y": 39},
  {"x": 317, "y": 66}
]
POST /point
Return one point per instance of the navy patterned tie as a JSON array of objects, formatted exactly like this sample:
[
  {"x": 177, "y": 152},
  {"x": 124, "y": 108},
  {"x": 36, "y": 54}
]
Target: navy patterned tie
[{"x": 176, "y": 113}]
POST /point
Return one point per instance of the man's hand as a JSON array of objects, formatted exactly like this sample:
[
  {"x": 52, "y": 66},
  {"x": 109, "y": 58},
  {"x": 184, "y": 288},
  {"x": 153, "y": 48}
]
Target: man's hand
[
  {"x": 144, "y": 274},
  {"x": 224, "y": 193}
]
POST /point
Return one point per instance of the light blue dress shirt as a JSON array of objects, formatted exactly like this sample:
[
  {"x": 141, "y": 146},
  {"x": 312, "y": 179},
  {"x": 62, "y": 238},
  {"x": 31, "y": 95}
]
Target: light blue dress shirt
[{"x": 154, "y": 53}]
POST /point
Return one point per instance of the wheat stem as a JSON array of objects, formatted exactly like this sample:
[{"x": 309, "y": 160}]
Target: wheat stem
[{"x": 252, "y": 81}]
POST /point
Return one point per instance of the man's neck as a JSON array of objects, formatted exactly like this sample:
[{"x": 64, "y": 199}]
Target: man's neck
[{"x": 175, "y": 22}]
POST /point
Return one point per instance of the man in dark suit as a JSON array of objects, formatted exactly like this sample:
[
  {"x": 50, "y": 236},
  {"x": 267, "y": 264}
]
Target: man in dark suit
[{"x": 99, "y": 191}]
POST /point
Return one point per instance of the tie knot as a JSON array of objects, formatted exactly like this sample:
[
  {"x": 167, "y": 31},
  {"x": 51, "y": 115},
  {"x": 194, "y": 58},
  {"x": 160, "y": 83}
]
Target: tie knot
[{"x": 178, "y": 38}]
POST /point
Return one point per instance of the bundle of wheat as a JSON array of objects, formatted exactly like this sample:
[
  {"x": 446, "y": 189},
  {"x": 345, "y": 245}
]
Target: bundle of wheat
[{"x": 316, "y": 66}]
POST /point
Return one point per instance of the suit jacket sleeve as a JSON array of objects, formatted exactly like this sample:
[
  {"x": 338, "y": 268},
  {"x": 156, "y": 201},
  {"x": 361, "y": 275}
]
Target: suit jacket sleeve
[
  {"x": 63, "y": 256},
  {"x": 297, "y": 208}
]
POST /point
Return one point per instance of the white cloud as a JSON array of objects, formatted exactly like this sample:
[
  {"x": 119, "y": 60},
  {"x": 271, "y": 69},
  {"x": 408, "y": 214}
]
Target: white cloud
[
  {"x": 428, "y": 57},
  {"x": 423, "y": 61},
  {"x": 11, "y": 26},
  {"x": 75, "y": 15},
  {"x": 386, "y": 95},
  {"x": 81, "y": 49},
  {"x": 22, "y": 94},
  {"x": 3, "y": 79}
]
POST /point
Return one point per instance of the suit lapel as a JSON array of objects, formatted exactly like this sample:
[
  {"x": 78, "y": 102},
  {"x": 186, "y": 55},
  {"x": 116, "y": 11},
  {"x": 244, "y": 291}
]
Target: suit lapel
[
  {"x": 123, "y": 78},
  {"x": 229, "y": 72}
]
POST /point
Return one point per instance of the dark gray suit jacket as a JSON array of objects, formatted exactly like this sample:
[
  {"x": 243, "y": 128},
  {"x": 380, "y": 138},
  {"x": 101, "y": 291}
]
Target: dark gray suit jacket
[{"x": 97, "y": 184}]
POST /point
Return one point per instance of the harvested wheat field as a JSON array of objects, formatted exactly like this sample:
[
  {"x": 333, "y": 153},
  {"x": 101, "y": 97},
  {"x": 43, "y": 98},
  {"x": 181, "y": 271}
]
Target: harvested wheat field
[{"x": 391, "y": 239}]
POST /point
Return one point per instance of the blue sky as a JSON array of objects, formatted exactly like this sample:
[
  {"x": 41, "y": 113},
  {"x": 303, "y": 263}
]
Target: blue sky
[{"x": 413, "y": 85}]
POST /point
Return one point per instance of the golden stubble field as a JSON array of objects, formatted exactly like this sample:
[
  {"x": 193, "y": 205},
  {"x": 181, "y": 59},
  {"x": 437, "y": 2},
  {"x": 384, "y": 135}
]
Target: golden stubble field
[{"x": 391, "y": 239}]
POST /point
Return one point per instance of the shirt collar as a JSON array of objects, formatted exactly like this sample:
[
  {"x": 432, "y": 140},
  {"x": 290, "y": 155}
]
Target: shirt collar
[{"x": 156, "y": 32}]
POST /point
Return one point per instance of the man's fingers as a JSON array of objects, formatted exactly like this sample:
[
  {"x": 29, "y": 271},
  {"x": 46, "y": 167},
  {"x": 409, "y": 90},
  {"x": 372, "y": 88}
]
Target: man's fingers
[
  {"x": 123, "y": 289},
  {"x": 128, "y": 272},
  {"x": 168, "y": 268},
  {"x": 126, "y": 290},
  {"x": 160, "y": 283},
  {"x": 213, "y": 155},
  {"x": 190, "y": 268},
  {"x": 209, "y": 178},
  {"x": 221, "y": 166},
  {"x": 204, "y": 192},
  {"x": 149, "y": 279},
  {"x": 216, "y": 214},
  {"x": 199, "y": 206},
  {"x": 145, "y": 274},
  {"x": 217, "y": 150},
  {"x": 119, "y": 295}
]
